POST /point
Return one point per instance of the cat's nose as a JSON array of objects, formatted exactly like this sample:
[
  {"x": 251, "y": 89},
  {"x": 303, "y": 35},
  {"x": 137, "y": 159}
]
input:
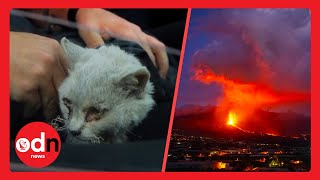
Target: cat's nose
[{"x": 75, "y": 133}]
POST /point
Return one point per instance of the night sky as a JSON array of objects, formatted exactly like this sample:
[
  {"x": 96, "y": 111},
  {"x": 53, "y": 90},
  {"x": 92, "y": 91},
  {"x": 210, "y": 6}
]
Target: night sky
[{"x": 268, "y": 46}]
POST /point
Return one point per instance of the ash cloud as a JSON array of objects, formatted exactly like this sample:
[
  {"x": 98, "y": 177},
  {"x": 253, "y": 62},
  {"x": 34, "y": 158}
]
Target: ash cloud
[{"x": 268, "y": 46}]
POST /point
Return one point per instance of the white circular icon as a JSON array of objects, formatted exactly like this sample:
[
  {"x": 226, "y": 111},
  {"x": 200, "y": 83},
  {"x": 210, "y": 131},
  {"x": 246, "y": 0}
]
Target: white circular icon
[{"x": 22, "y": 145}]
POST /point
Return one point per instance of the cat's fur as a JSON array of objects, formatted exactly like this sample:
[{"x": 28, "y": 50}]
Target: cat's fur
[{"x": 106, "y": 93}]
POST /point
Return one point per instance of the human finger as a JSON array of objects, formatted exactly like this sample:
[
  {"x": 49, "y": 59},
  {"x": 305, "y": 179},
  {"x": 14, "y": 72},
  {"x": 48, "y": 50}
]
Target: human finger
[{"x": 159, "y": 50}]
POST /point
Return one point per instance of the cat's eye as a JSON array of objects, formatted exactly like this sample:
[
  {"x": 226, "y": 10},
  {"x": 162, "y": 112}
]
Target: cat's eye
[
  {"x": 94, "y": 114},
  {"x": 93, "y": 110}
]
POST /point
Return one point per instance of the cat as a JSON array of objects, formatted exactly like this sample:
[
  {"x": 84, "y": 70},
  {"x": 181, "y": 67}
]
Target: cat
[{"x": 107, "y": 92}]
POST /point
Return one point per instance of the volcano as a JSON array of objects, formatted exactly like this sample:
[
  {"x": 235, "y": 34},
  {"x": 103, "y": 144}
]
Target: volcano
[{"x": 202, "y": 120}]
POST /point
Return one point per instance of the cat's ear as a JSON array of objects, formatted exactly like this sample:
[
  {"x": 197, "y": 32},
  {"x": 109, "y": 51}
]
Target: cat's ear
[
  {"x": 136, "y": 81},
  {"x": 73, "y": 51}
]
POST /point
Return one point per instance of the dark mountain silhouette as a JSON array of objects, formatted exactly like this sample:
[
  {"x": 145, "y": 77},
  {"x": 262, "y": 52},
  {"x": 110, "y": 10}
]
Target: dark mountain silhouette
[{"x": 201, "y": 120}]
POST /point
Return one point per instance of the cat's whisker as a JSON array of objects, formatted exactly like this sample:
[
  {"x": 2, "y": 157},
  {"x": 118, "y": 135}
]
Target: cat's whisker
[
  {"x": 125, "y": 127},
  {"x": 101, "y": 138},
  {"x": 56, "y": 123},
  {"x": 132, "y": 133},
  {"x": 97, "y": 140}
]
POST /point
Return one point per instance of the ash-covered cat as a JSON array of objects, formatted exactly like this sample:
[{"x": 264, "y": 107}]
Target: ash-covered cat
[{"x": 106, "y": 93}]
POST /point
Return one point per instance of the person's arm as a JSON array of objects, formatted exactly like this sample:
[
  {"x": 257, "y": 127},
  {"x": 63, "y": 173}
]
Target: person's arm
[{"x": 37, "y": 68}]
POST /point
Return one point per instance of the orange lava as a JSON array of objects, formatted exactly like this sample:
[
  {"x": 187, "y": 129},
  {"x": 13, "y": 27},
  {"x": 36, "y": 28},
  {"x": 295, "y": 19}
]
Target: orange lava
[{"x": 232, "y": 119}]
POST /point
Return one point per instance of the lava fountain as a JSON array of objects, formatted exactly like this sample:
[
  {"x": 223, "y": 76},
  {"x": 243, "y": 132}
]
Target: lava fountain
[{"x": 232, "y": 119}]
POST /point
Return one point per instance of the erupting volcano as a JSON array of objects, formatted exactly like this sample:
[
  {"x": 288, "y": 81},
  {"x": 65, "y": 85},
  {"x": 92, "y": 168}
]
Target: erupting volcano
[
  {"x": 241, "y": 99},
  {"x": 232, "y": 121},
  {"x": 244, "y": 99}
]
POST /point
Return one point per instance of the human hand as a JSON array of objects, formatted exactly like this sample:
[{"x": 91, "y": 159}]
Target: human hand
[
  {"x": 37, "y": 68},
  {"x": 112, "y": 26}
]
